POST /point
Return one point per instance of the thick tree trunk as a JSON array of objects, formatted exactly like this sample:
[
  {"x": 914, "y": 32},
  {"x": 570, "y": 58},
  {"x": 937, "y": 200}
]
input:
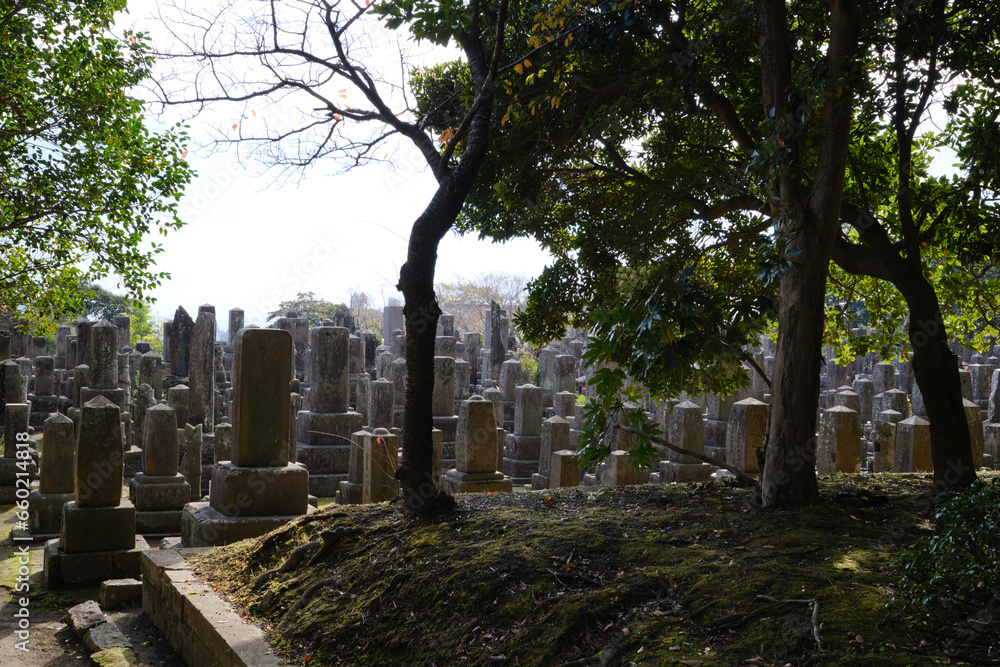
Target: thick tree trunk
[
  {"x": 809, "y": 223},
  {"x": 789, "y": 475}
]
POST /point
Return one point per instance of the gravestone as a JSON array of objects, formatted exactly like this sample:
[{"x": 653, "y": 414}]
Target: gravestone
[
  {"x": 257, "y": 490},
  {"x": 160, "y": 492},
  {"x": 475, "y": 451},
  {"x": 55, "y": 487},
  {"x": 98, "y": 539},
  {"x": 325, "y": 429}
]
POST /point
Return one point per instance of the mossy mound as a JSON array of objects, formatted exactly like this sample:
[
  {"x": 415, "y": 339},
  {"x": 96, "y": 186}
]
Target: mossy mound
[{"x": 647, "y": 575}]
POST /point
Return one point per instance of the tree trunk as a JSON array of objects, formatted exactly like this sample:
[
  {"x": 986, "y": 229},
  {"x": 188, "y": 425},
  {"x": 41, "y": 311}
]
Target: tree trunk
[
  {"x": 421, "y": 312},
  {"x": 789, "y": 475},
  {"x": 808, "y": 222},
  {"x": 935, "y": 368}
]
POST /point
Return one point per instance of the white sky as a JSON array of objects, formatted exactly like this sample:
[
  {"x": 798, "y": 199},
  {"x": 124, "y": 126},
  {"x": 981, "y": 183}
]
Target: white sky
[{"x": 249, "y": 246}]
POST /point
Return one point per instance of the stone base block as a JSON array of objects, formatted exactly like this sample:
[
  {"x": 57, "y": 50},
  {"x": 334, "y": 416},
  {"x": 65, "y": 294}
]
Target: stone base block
[
  {"x": 158, "y": 523},
  {"x": 327, "y": 428},
  {"x": 61, "y": 568},
  {"x": 448, "y": 427},
  {"x": 97, "y": 528},
  {"x": 564, "y": 469},
  {"x": 203, "y": 526},
  {"x": 154, "y": 493},
  {"x": 13, "y": 469},
  {"x": 116, "y": 396},
  {"x": 519, "y": 471},
  {"x": 455, "y": 481},
  {"x": 245, "y": 491},
  {"x": 43, "y": 404},
  {"x": 619, "y": 470},
  {"x": 325, "y": 459},
  {"x": 539, "y": 482},
  {"x": 325, "y": 486},
  {"x": 45, "y": 513},
  {"x": 349, "y": 494},
  {"x": 522, "y": 447},
  {"x": 684, "y": 472},
  {"x": 132, "y": 461},
  {"x": 116, "y": 591}
]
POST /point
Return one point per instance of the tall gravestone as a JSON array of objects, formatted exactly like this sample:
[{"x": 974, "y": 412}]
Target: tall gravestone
[
  {"x": 159, "y": 493},
  {"x": 98, "y": 539},
  {"x": 325, "y": 429},
  {"x": 258, "y": 489}
]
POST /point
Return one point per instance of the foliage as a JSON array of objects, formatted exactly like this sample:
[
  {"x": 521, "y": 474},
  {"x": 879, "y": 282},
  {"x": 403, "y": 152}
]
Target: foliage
[
  {"x": 142, "y": 326},
  {"x": 956, "y": 570},
  {"x": 100, "y": 304},
  {"x": 643, "y": 347},
  {"x": 528, "y": 360},
  {"x": 311, "y": 307},
  {"x": 82, "y": 180}
]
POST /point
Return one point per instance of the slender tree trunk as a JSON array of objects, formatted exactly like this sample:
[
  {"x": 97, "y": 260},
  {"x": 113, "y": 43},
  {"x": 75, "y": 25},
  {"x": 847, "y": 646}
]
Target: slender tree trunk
[
  {"x": 935, "y": 368},
  {"x": 421, "y": 313}
]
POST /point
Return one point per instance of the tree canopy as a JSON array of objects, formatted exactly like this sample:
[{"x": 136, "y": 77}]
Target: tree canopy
[
  {"x": 82, "y": 179},
  {"x": 660, "y": 148}
]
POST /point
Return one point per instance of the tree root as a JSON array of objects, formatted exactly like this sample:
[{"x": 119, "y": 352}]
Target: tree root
[
  {"x": 330, "y": 540},
  {"x": 294, "y": 558},
  {"x": 731, "y": 621}
]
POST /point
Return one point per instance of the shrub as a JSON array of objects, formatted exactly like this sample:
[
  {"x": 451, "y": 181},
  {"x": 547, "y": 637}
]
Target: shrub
[{"x": 958, "y": 568}]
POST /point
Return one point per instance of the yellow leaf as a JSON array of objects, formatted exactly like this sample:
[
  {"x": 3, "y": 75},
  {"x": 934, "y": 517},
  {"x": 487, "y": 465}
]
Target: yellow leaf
[
  {"x": 518, "y": 68},
  {"x": 337, "y": 116},
  {"x": 253, "y": 112},
  {"x": 234, "y": 125},
  {"x": 529, "y": 79},
  {"x": 527, "y": 63}
]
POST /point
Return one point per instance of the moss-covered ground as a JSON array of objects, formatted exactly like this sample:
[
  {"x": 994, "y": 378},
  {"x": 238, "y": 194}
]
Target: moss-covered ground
[{"x": 648, "y": 575}]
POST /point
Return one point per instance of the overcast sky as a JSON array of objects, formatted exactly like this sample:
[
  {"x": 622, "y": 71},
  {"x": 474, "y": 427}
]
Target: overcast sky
[{"x": 251, "y": 246}]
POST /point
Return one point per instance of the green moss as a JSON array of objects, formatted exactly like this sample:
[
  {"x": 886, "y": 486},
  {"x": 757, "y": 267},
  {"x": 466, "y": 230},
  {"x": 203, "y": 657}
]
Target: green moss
[{"x": 632, "y": 575}]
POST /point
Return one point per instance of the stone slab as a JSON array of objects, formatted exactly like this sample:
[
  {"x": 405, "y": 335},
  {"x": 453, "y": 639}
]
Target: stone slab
[
  {"x": 97, "y": 528},
  {"x": 203, "y": 526},
  {"x": 259, "y": 491}
]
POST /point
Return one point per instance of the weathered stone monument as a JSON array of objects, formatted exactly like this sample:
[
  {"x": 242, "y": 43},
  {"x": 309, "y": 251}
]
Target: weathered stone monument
[
  {"x": 159, "y": 493},
  {"x": 257, "y": 490},
  {"x": 523, "y": 446},
  {"x": 55, "y": 488},
  {"x": 98, "y": 539},
  {"x": 325, "y": 429},
  {"x": 475, "y": 451}
]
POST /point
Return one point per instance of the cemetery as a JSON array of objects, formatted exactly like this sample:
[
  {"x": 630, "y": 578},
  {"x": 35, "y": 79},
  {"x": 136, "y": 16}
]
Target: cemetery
[
  {"x": 748, "y": 412},
  {"x": 250, "y": 435}
]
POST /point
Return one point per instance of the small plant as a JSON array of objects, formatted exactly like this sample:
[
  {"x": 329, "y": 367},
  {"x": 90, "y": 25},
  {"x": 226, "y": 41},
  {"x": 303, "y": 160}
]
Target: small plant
[
  {"x": 958, "y": 568},
  {"x": 529, "y": 364},
  {"x": 581, "y": 400}
]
